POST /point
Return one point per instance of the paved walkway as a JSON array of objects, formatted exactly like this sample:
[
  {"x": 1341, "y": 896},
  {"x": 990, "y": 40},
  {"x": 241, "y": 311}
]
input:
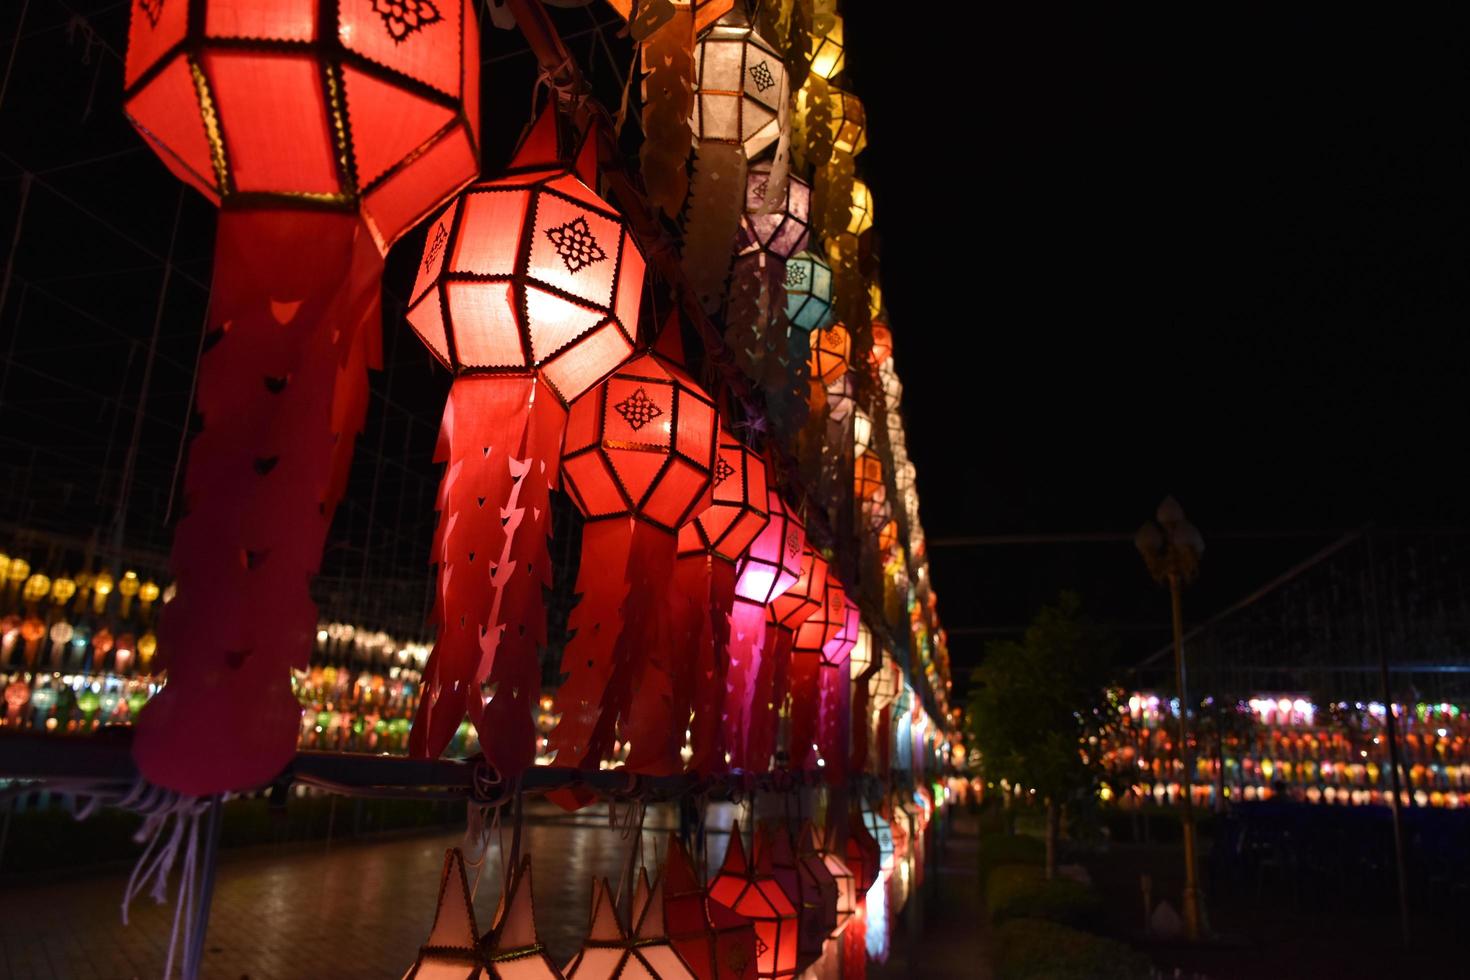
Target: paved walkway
[
  {"x": 945, "y": 935},
  {"x": 304, "y": 913}
]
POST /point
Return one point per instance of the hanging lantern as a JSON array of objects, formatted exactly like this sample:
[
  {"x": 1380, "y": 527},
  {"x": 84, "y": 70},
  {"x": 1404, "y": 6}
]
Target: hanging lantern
[
  {"x": 882, "y": 347},
  {"x": 609, "y": 952},
  {"x": 740, "y": 107},
  {"x": 827, "y": 55},
  {"x": 808, "y": 285},
  {"x": 784, "y": 615},
  {"x": 36, "y": 588},
  {"x": 810, "y": 887},
  {"x": 716, "y": 942},
  {"x": 824, "y": 848},
  {"x": 323, "y": 132},
  {"x": 769, "y": 566},
  {"x": 868, "y": 483},
  {"x": 776, "y": 225},
  {"x": 807, "y": 646},
  {"x": 529, "y": 292},
  {"x": 830, "y": 348},
  {"x": 863, "y": 661},
  {"x": 703, "y": 12},
  {"x": 751, "y": 890},
  {"x": 834, "y": 733},
  {"x": 639, "y": 459},
  {"x": 703, "y": 593}
]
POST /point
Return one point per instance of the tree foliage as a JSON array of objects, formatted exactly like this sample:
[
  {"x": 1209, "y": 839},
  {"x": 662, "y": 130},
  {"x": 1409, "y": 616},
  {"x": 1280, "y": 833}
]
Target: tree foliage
[{"x": 1035, "y": 703}]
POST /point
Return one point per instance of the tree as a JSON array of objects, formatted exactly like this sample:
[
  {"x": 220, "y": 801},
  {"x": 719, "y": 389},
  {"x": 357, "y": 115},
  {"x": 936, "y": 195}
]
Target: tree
[{"x": 1037, "y": 706}]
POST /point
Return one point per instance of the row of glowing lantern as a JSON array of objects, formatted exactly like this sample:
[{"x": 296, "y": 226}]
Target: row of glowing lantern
[
  {"x": 529, "y": 292},
  {"x": 1295, "y": 711},
  {"x": 788, "y": 905},
  {"x": 23, "y": 588},
  {"x": 1428, "y": 746},
  {"x": 1205, "y": 795}
]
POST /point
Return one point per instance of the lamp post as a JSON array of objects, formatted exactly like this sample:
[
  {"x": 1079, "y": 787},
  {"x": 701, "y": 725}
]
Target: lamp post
[{"x": 1171, "y": 547}]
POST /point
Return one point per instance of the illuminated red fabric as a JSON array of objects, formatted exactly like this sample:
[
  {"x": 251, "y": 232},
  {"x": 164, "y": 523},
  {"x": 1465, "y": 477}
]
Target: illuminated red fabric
[
  {"x": 324, "y": 136},
  {"x": 770, "y": 566},
  {"x": 835, "y": 719},
  {"x": 639, "y": 457},
  {"x": 529, "y": 292},
  {"x": 807, "y": 649},
  {"x": 882, "y": 344},
  {"x": 262, "y": 104},
  {"x": 717, "y": 942},
  {"x": 855, "y": 946},
  {"x": 751, "y": 890},
  {"x": 293, "y": 329},
  {"x": 784, "y": 615}
]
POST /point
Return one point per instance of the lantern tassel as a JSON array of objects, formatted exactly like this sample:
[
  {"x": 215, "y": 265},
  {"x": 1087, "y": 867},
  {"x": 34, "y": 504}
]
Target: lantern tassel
[
  {"x": 746, "y": 641},
  {"x": 581, "y": 738},
  {"x": 643, "y": 696},
  {"x": 691, "y": 639},
  {"x": 282, "y": 391},
  {"x": 772, "y": 685},
  {"x": 806, "y": 698},
  {"x": 712, "y": 668}
]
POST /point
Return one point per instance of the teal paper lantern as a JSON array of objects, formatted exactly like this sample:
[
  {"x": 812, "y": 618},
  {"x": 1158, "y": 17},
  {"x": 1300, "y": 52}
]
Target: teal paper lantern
[{"x": 808, "y": 292}]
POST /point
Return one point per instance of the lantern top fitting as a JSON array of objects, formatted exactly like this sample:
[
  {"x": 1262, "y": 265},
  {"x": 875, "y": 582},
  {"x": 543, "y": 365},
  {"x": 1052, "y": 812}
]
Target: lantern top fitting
[
  {"x": 531, "y": 271},
  {"x": 365, "y": 106}
]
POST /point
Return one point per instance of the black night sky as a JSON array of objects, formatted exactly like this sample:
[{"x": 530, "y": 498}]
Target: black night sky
[
  {"x": 1216, "y": 254},
  {"x": 1222, "y": 256}
]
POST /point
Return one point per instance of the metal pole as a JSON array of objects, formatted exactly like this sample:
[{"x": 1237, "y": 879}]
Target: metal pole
[
  {"x": 1191, "y": 875},
  {"x": 194, "y": 956},
  {"x": 1391, "y": 727}
]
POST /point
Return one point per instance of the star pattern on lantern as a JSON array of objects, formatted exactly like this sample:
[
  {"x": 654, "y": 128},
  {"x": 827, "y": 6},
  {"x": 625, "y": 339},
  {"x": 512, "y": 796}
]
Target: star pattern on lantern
[
  {"x": 436, "y": 245},
  {"x": 575, "y": 244},
  {"x": 795, "y": 276},
  {"x": 793, "y": 542},
  {"x": 723, "y": 470},
  {"x": 153, "y": 9},
  {"x": 404, "y": 17},
  {"x": 638, "y": 410},
  {"x": 758, "y": 191},
  {"x": 761, "y": 75}
]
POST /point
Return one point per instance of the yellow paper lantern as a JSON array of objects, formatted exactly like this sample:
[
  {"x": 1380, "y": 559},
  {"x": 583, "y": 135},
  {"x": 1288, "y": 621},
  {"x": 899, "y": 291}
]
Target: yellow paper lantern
[
  {"x": 828, "y": 56},
  {"x": 37, "y": 587}
]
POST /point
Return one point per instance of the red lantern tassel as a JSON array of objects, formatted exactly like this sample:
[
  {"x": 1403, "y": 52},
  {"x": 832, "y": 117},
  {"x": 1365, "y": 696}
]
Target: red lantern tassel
[
  {"x": 835, "y": 737},
  {"x": 294, "y": 323},
  {"x": 772, "y": 683},
  {"x": 746, "y": 643},
  {"x": 501, "y": 444},
  {"x": 806, "y": 702},
  {"x": 521, "y": 576},
  {"x": 855, "y": 946},
  {"x": 690, "y": 634},
  {"x": 644, "y": 696},
  {"x": 580, "y": 737},
  {"x": 713, "y": 670}
]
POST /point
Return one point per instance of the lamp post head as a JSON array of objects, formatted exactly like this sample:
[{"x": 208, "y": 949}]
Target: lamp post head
[{"x": 1169, "y": 544}]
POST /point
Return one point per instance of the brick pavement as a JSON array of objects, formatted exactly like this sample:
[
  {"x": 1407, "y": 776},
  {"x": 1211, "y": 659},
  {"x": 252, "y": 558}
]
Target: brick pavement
[{"x": 357, "y": 910}]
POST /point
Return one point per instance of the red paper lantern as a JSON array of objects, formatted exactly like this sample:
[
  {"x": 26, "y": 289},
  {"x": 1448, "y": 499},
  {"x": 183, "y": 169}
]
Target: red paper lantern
[
  {"x": 807, "y": 645},
  {"x": 770, "y": 566},
  {"x": 644, "y": 951},
  {"x": 784, "y": 616},
  {"x": 751, "y": 890},
  {"x": 703, "y": 593},
  {"x": 529, "y": 292},
  {"x": 810, "y": 887},
  {"x": 323, "y": 132},
  {"x": 639, "y": 459},
  {"x": 717, "y": 942}
]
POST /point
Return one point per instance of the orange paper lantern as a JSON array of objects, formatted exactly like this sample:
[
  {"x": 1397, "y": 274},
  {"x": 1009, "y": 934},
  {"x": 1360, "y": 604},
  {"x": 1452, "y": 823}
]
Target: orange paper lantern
[{"x": 751, "y": 890}]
